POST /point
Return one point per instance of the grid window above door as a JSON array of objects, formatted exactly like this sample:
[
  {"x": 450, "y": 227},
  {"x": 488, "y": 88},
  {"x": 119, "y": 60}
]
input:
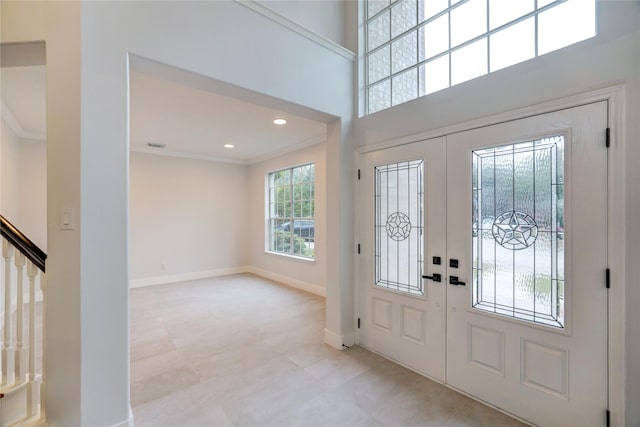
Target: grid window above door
[{"x": 416, "y": 47}]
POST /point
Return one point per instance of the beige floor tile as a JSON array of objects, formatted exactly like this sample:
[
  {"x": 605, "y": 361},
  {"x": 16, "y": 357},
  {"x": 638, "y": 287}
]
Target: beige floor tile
[{"x": 244, "y": 351}]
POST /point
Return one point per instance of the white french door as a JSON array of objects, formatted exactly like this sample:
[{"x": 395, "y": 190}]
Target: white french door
[
  {"x": 519, "y": 319},
  {"x": 402, "y": 315}
]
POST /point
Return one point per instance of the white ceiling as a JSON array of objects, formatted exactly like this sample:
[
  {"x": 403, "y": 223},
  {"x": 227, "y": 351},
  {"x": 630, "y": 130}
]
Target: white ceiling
[
  {"x": 191, "y": 120},
  {"x": 196, "y": 122}
]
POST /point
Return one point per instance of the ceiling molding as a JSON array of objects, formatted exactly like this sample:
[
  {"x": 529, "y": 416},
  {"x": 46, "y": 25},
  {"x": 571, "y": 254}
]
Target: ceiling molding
[
  {"x": 294, "y": 26},
  {"x": 13, "y": 123},
  {"x": 168, "y": 153},
  {"x": 178, "y": 154}
]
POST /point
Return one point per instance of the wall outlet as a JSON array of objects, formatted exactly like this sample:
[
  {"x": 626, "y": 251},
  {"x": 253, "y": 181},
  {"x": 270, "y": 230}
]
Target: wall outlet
[{"x": 163, "y": 266}]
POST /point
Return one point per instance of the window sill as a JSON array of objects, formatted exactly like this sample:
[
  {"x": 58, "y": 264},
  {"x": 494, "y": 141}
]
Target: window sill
[{"x": 292, "y": 257}]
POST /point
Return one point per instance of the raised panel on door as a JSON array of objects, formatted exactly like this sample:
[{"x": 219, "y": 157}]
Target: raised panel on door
[
  {"x": 402, "y": 227},
  {"x": 526, "y": 219}
]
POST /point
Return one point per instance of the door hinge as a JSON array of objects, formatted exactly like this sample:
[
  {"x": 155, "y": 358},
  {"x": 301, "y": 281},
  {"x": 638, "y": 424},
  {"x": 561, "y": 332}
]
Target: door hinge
[
  {"x": 358, "y": 248},
  {"x": 358, "y": 173},
  {"x": 358, "y": 323},
  {"x": 608, "y": 278},
  {"x": 608, "y": 137},
  {"x": 607, "y": 417}
]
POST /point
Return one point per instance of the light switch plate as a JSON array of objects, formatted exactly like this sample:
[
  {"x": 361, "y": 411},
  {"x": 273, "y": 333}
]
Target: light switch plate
[{"x": 67, "y": 219}]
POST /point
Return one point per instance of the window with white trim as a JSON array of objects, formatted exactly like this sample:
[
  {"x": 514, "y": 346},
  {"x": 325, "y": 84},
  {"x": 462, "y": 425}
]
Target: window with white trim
[
  {"x": 416, "y": 47},
  {"x": 291, "y": 206}
]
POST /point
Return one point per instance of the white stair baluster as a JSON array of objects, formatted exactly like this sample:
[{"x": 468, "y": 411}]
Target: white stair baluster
[
  {"x": 20, "y": 371},
  {"x": 7, "y": 372},
  {"x": 32, "y": 401}
]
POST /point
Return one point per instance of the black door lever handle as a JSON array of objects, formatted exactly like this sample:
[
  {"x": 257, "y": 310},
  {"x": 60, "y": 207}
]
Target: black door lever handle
[
  {"x": 436, "y": 277},
  {"x": 453, "y": 280}
]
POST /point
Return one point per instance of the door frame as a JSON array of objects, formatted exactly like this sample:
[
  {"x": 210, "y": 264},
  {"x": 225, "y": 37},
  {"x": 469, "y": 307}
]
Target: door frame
[{"x": 615, "y": 97}]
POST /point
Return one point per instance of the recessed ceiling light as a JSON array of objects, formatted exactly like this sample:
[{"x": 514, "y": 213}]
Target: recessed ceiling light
[
  {"x": 279, "y": 122},
  {"x": 156, "y": 145},
  {"x": 229, "y": 146}
]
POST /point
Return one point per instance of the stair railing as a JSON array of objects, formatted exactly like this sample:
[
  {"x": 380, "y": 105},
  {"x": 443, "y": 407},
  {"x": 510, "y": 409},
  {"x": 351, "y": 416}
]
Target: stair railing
[{"x": 21, "y": 361}]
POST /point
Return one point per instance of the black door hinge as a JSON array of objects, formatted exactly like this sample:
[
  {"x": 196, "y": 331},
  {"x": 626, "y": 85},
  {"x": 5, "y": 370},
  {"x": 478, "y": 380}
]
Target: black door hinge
[
  {"x": 358, "y": 173},
  {"x": 358, "y": 248},
  {"x": 608, "y": 418},
  {"x": 608, "y": 137},
  {"x": 608, "y": 278},
  {"x": 358, "y": 323}
]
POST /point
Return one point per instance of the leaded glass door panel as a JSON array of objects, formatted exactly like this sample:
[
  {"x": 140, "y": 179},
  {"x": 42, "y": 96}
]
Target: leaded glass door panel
[
  {"x": 526, "y": 220},
  {"x": 402, "y": 315}
]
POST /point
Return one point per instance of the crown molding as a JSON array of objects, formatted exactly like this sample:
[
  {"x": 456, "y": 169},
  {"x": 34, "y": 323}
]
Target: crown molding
[{"x": 301, "y": 30}]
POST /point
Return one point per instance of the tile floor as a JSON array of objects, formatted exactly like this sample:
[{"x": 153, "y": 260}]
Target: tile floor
[{"x": 244, "y": 351}]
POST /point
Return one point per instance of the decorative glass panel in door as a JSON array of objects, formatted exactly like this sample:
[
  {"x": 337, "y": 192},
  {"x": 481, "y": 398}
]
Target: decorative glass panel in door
[
  {"x": 398, "y": 226},
  {"x": 518, "y": 230}
]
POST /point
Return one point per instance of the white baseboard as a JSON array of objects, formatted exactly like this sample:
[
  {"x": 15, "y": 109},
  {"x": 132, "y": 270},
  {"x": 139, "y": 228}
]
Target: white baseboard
[
  {"x": 333, "y": 339},
  {"x": 289, "y": 281},
  {"x": 175, "y": 278},
  {"x": 184, "y": 277}
]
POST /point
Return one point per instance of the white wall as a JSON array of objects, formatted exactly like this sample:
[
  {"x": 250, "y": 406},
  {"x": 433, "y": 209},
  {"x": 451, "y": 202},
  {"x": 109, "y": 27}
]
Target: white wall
[
  {"x": 611, "y": 58},
  {"x": 32, "y": 191},
  {"x": 9, "y": 172},
  {"x": 325, "y": 17},
  {"x": 190, "y": 215},
  {"x": 311, "y": 275}
]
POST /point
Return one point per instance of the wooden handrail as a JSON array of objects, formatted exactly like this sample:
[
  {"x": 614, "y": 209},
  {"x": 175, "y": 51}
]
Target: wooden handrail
[{"x": 22, "y": 243}]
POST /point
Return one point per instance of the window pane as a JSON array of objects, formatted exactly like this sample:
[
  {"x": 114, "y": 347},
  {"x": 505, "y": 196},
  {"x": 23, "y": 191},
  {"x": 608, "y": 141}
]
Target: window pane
[
  {"x": 380, "y": 96},
  {"x": 405, "y": 86},
  {"x": 380, "y": 64},
  {"x": 375, "y": 6},
  {"x": 434, "y": 37},
  {"x": 504, "y": 11},
  {"x": 469, "y": 62},
  {"x": 468, "y": 21},
  {"x": 429, "y": 8},
  {"x": 566, "y": 24},
  {"x": 403, "y": 16},
  {"x": 378, "y": 31},
  {"x": 404, "y": 52},
  {"x": 513, "y": 45},
  {"x": 436, "y": 75}
]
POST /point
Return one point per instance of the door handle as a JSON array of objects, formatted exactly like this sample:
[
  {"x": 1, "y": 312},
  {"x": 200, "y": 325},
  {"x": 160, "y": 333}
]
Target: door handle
[
  {"x": 453, "y": 280},
  {"x": 436, "y": 277}
]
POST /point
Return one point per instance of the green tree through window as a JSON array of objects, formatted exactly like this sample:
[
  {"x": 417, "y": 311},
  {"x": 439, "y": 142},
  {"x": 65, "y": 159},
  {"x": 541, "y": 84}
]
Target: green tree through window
[{"x": 291, "y": 211}]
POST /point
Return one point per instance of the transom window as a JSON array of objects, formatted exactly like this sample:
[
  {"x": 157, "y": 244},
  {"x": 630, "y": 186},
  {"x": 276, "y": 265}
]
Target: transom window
[
  {"x": 291, "y": 208},
  {"x": 416, "y": 47}
]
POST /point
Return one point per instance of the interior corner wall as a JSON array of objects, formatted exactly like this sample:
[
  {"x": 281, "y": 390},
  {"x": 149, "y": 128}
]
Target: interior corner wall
[
  {"x": 309, "y": 275},
  {"x": 9, "y": 170},
  {"x": 186, "y": 216}
]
